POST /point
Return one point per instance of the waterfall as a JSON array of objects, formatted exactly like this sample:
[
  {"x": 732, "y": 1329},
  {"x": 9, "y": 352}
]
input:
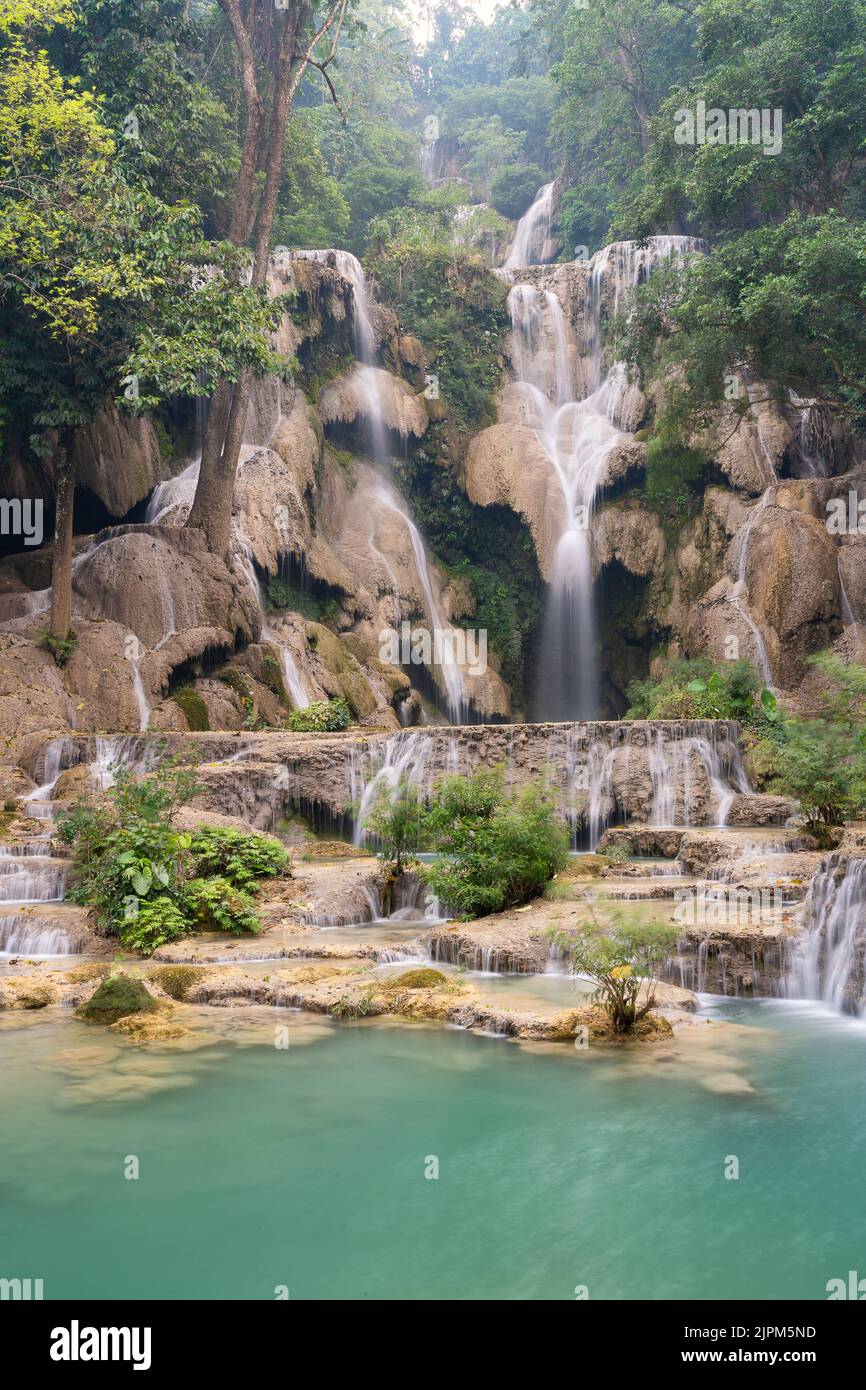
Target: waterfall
[
  {"x": 531, "y": 245},
  {"x": 384, "y": 491},
  {"x": 576, "y": 436},
  {"x": 739, "y": 594},
  {"x": 829, "y": 962}
]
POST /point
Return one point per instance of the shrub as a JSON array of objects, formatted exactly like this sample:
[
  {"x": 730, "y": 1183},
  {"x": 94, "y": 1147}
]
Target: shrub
[
  {"x": 621, "y": 958},
  {"x": 116, "y": 997},
  {"x": 215, "y": 904},
  {"x": 365, "y": 1007},
  {"x": 695, "y": 690},
  {"x": 236, "y": 857},
  {"x": 156, "y": 921},
  {"x": 514, "y": 188},
  {"x": 497, "y": 850},
  {"x": 321, "y": 717},
  {"x": 398, "y": 820}
]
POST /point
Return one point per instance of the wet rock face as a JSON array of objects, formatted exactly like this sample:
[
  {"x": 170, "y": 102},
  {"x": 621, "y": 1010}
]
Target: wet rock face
[{"x": 117, "y": 459}]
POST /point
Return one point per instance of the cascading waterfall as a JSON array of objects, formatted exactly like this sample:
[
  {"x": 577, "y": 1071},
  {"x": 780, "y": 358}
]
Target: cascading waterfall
[
  {"x": 576, "y": 435},
  {"x": 738, "y": 597},
  {"x": 368, "y": 381},
  {"x": 678, "y": 775},
  {"x": 830, "y": 962},
  {"x": 532, "y": 239}
]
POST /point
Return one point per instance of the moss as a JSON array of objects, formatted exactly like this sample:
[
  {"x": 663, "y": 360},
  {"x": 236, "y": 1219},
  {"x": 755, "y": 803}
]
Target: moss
[
  {"x": 271, "y": 676},
  {"x": 116, "y": 997},
  {"x": 177, "y": 980},
  {"x": 83, "y": 974},
  {"x": 192, "y": 707},
  {"x": 354, "y": 686},
  {"x": 235, "y": 681},
  {"x": 422, "y": 978}
]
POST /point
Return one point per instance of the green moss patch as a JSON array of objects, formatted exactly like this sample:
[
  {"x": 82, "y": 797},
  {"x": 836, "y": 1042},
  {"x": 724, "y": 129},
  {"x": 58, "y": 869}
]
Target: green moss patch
[{"x": 116, "y": 997}]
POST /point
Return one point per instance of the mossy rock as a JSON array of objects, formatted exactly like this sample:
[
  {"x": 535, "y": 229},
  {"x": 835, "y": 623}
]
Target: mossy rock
[
  {"x": 345, "y": 668},
  {"x": 116, "y": 997},
  {"x": 271, "y": 677},
  {"x": 422, "y": 978},
  {"x": 92, "y": 970},
  {"x": 235, "y": 681},
  {"x": 37, "y": 996},
  {"x": 177, "y": 980},
  {"x": 193, "y": 708}
]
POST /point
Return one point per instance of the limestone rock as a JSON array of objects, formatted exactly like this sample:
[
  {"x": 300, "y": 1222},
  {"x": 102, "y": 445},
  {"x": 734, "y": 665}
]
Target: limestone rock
[
  {"x": 348, "y": 398},
  {"x": 117, "y": 459}
]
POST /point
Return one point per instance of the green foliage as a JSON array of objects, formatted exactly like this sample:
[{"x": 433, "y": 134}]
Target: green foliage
[
  {"x": 193, "y": 708},
  {"x": 451, "y": 300},
  {"x": 283, "y": 594},
  {"x": 498, "y": 849},
  {"x": 215, "y": 904},
  {"x": 149, "y": 884},
  {"x": 698, "y": 690},
  {"x": 312, "y": 209},
  {"x": 675, "y": 478},
  {"x": 821, "y": 763},
  {"x": 61, "y": 648},
  {"x": 397, "y": 819},
  {"x": 375, "y": 190},
  {"x": 154, "y": 922},
  {"x": 622, "y": 957},
  {"x": 237, "y": 857},
  {"x": 321, "y": 717},
  {"x": 514, "y": 188},
  {"x": 117, "y": 997},
  {"x": 491, "y": 548},
  {"x": 363, "y": 1007}
]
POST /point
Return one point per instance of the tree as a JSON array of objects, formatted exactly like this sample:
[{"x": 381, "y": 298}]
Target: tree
[
  {"x": 515, "y": 187},
  {"x": 625, "y": 959},
  {"x": 398, "y": 820},
  {"x": 102, "y": 284},
  {"x": 273, "y": 55}
]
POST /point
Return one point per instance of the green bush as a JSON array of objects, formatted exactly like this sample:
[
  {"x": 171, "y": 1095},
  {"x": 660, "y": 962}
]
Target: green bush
[
  {"x": 622, "y": 957},
  {"x": 498, "y": 849},
  {"x": 321, "y": 717},
  {"x": 149, "y": 884},
  {"x": 237, "y": 857},
  {"x": 215, "y": 904},
  {"x": 697, "y": 690},
  {"x": 398, "y": 820},
  {"x": 513, "y": 190},
  {"x": 152, "y": 924}
]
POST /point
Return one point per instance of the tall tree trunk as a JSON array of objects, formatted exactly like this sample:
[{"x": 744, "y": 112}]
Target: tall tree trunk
[
  {"x": 61, "y": 567},
  {"x": 212, "y": 506}
]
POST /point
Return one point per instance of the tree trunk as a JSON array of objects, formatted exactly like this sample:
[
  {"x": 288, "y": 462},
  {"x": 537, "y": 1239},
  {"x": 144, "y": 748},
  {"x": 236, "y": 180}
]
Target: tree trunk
[
  {"x": 212, "y": 506},
  {"x": 61, "y": 568}
]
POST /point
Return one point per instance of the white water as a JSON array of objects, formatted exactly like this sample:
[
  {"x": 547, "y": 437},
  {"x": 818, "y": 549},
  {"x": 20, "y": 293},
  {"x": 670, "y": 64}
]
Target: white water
[
  {"x": 385, "y": 492},
  {"x": 738, "y": 597},
  {"x": 576, "y": 436},
  {"x": 829, "y": 963},
  {"x": 531, "y": 245}
]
